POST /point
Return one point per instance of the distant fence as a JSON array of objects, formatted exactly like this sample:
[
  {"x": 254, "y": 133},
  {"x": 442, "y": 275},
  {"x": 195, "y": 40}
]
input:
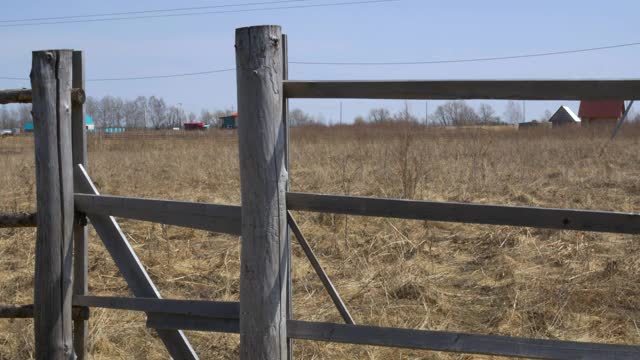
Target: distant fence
[{"x": 263, "y": 317}]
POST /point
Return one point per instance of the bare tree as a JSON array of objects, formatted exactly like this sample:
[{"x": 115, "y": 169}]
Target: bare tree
[
  {"x": 207, "y": 117},
  {"x": 157, "y": 115},
  {"x": 298, "y": 117},
  {"x": 405, "y": 115},
  {"x": 546, "y": 116},
  {"x": 487, "y": 115},
  {"x": 455, "y": 113},
  {"x": 513, "y": 112},
  {"x": 379, "y": 115}
]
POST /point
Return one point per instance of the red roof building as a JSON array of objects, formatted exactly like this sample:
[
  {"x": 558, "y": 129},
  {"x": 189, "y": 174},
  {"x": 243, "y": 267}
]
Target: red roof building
[{"x": 601, "y": 112}]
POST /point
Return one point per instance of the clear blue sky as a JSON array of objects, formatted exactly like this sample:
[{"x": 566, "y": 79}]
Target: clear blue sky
[{"x": 407, "y": 30}]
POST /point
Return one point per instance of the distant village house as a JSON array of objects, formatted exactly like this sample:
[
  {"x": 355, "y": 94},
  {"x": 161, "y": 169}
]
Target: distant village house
[
  {"x": 600, "y": 112},
  {"x": 229, "y": 122},
  {"x": 564, "y": 117}
]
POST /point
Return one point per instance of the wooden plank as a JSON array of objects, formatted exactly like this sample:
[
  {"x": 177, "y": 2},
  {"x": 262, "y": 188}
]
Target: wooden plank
[
  {"x": 324, "y": 278},
  {"x": 563, "y": 219},
  {"x": 263, "y": 179},
  {"x": 26, "y": 312},
  {"x": 80, "y": 233},
  {"x": 161, "y": 321},
  {"x": 130, "y": 267},
  {"x": 51, "y": 84},
  {"x": 285, "y": 115},
  {"x": 210, "y": 217},
  {"x": 15, "y": 96},
  {"x": 204, "y": 308},
  {"x": 24, "y": 96},
  {"x": 459, "y": 342},
  {"x": 17, "y": 220},
  {"x": 466, "y": 89}
]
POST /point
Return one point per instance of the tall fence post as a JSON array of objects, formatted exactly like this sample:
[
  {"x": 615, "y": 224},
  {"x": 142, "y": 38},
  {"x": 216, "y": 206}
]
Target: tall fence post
[
  {"x": 51, "y": 85},
  {"x": 80, "y": 235},
  {"x": 261, "y": 134}
]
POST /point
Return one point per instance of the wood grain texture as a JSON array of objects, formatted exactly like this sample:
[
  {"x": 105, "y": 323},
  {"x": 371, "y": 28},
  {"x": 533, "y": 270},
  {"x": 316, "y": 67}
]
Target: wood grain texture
[
  {"x": 459, "y": 342},
  {"x": 210, "y": 217},
  {"x": 466, "y": 89},
  {"x": 17, "y": 220},
  {"x": 80, "y": 233},
  {"x": 563, "y": 219},
  {"x": 263, "y": 178},
  {"x": 26, "y": 312},
  {"x": 160, "y": 321},
  {"x": 25, "y": 96},
  {"x": 51, "y": 84},
  {"x": 130, "y": 267},
  {"x": 285, "y": 115},
  {"x": 212, "y": 309},
  {"x": 15, "y": 96}
]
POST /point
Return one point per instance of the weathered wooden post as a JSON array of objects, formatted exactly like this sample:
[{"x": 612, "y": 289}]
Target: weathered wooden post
[
  {"x": 80, "y": 235},
  {"x": 261, "y": 133},
  {"x": 51, "y": 85}
]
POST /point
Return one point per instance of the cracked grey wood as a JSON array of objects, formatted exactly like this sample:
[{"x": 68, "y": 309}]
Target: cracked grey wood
[
  {"x": 210, "y": 217},
  {"x": 51, "y": 84},
  {"x": 25, "y": 96},
  {"x": 562, "y": 219},
  {"x": 459, "y": 342},
  {"x": 14, "y": 220},
  {"x": 80, "y": 233},
  {"x": 26, "y": 312},
  {"x": 263, "y": 178}
]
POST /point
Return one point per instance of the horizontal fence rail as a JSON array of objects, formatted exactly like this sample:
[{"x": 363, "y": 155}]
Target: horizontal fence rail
[
  {"x": 24, "y": 96},
  {"x": 417, "y": 339},
  {"x": 204, "y": 308},
  {"x": 216, "y": 218},
  {"x": 129, "y": 265},
  {"x": 26, "y": 312},
  {"x": 17, "y": 220},
  {"x": 459, "y": 342},
  {"x": 466, "y": 89},
  {"x": 563, "y": 219}
]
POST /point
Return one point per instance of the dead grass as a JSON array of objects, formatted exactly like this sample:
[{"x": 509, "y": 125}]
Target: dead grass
[{"x": 427, "y": 275}]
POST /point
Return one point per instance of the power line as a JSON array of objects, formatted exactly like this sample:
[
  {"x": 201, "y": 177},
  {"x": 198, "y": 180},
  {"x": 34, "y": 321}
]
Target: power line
[
  {"x": 364, "y": 64},
  {"x": 150, "y": 11},
  {"x": 163, "y": 76},
  {"x": 511, "y": 57},
  {"x": 200, "y": 13}
]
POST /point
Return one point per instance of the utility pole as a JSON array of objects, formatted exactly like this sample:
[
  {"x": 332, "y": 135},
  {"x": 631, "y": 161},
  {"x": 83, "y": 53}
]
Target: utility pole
[
  {"x": 426, "y": 112},
  {"x": 524, "y": 111},
  {"x": 340, "y": 112}
]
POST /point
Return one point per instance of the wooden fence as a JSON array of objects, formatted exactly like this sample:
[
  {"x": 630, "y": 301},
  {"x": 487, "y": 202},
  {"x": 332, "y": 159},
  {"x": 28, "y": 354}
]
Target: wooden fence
[{"x": 66, "y": 198}]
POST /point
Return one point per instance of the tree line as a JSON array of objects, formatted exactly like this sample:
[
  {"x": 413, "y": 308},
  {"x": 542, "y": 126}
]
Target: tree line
[{"x": 142, "y": 112}]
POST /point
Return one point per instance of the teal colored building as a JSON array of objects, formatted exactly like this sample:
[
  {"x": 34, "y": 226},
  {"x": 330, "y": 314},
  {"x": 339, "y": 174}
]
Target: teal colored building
[{"x": 89, "y": 124}]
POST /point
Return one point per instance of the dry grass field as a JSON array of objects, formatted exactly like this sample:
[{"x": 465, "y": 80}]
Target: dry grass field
[{"x": 414, "y": 274}]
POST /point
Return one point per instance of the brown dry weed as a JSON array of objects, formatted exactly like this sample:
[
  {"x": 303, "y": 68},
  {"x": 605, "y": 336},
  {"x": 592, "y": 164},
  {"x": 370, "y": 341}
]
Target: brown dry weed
[{"x": 413, "y": 274}]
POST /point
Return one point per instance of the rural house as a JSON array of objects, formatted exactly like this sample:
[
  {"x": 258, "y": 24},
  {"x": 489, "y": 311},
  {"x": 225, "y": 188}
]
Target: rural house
[
  {"x": 229, "y": 122},
  {"x": 563, "y": 117},
  {"x": 600, "y": 112}
]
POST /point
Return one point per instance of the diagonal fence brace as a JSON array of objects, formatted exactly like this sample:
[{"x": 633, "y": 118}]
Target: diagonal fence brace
[
  {"x": 130, "y": 267},
  {"x": 333, "y": 293}
]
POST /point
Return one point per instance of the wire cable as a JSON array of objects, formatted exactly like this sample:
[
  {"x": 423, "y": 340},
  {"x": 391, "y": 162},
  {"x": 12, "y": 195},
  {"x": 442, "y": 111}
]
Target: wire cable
[
  {"x": 367, "y": 64},
  {"x": 150, "y": 11},
  {"x": 200, "y": 13},
  {"x": 452, "y": 61}
]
